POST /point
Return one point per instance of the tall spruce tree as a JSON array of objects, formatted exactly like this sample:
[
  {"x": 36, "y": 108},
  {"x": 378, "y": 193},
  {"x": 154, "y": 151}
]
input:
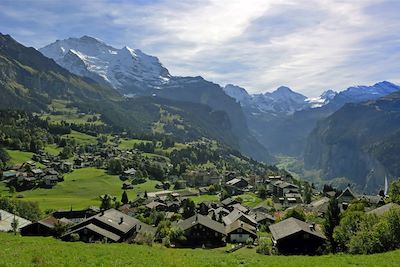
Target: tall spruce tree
[
  {"x": 124, "y": 198},
  {"x": 332, "y": 219}
]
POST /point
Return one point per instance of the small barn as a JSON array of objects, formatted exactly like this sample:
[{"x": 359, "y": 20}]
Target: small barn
[
  {"x": 293, "y": 236},
  {"x": 7, "y": 218},
  {"x": 239, "y": 232},
  {"x": 108, "y": 226},
  {"x": 44, "y": 227},
  {"x": 202, "y": 231}
]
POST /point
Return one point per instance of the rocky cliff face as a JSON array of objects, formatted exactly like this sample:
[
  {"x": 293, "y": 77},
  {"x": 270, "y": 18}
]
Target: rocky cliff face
[{"x": 357, "y": 142}]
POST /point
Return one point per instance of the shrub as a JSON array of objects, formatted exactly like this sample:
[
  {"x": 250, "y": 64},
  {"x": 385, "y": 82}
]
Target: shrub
[
  {"x": 166, "y": 242},
  {"x": 144, "y": 238},
  {"x": 249, "y": 241},
  {"x": 264, "y": 247},
  {"x": 74, "y": 237},
  {"x": 297, "y": 213}
]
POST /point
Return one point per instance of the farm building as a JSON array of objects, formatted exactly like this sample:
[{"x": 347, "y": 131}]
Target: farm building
[{"x": 293, "y": 236}]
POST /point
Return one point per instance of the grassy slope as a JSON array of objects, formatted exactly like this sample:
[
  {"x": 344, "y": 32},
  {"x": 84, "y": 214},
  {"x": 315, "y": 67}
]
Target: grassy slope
[
  {"x": 28, "y": 251},
  {"x": 81, "y": 138},
  {"x": 52, "y": 149},
  {"x": 201, "y": 198},
  {"x": 129, "y": 143},
  {"x": 18, "y": 156},
  {"x": 81, "y": 189}
]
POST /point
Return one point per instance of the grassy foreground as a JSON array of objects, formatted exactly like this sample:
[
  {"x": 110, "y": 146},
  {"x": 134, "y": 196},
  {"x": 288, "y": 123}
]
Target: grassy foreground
[{"x": 41, "y": 251}]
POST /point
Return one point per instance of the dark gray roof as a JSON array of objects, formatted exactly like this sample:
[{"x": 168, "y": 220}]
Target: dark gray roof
[
  {"x": 112, "y": 217},
  {"x": 371, "y": 199},
  {"x": 283, "y": 184},
  {"x": 234, "y": 181},
  {"x": 155, "y": 204},
  {"x": 236, "y": 215},
  {"x": 260, "y": 216},
  {"x": 383, "y": 209},
  {"x": 347, "y": 192},
  {"x": 242, "y": 225},
  {"x": 203, "y": 220},
  {"x": 320, "y": 205},
  {"x": 240, "y": 207},
  {"x": 228, "y": 201},
  {"x": 98, "y": 230},
  {"x": 292, "y": 226}
]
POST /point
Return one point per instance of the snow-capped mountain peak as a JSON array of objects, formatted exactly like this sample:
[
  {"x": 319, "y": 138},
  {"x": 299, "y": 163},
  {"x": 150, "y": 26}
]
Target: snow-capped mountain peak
[
  {"x": 236, "y": 92},
  {"x": 322, "y": 100},
  {"x": 127, "y": 70}
]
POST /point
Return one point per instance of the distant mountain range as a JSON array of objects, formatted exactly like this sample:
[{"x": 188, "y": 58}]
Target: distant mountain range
[
  {"x": 283, "y": 119},
  {"x": 284, "y": 101}
]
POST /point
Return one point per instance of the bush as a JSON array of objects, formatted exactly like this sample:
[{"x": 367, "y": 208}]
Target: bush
[
  {"x": 297, "y": 213},
  {"x": 166, "y": 242},
  {"x": 249, "y": 241},
  {"x": 264, "y": 247},
  {"x": 74, "y": 237},
  {"x": 145, "y": 238}
]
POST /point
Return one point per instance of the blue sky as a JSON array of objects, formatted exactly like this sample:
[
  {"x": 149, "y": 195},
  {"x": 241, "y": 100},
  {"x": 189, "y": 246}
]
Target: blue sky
[{"x": 308, "y": 45}]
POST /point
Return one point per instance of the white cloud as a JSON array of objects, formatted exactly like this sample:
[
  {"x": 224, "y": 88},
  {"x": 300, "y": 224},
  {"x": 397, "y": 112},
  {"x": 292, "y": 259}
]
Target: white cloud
[{"x": 310, "y": 45}]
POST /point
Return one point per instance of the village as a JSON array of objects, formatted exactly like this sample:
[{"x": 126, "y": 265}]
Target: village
[{"x": 168, "y": 216}]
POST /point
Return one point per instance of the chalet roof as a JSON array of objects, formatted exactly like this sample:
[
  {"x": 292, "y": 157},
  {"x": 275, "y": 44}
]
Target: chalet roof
[
  {"x": 372, "y": 199},
  {"x": 234, "y": 181},
  {"x": 218, "y": 210},
  {"x": 99, "y": 231},
  {"x": 202, "y": 220},
  {"x": 240, "y": 207},
  {"x": 283, "y": 184},
  {"x": 6, "y": 219},
  {"x": 112, "y": 217},
  {"x": 347, "y": 193},
  {"x": 240, "y": 225},
  {"x": 261, "y": 216},
  {"x": 159, "y": 193},
  {"x": 320, "y": 205},
  {"x": 49, "y": 221},
  {"x": 236, "y": 215},
  {"x": 37, "y": 171},
  {"x": 292, "y": 226},
  {"x": 383, "y": 209},
  {"x": 154, "y": 204},
  {"x": 228, "y": 201},
  {"x": 203, "y": 189}
]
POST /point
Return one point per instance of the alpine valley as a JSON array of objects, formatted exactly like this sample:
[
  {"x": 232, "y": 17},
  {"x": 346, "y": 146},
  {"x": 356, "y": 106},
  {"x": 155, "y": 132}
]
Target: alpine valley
[
  {"x": 134, "y": 92},
  {"x": 323, "y": 134}
]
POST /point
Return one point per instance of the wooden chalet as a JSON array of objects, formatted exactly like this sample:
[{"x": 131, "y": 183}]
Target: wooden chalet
[
  {"x": 293, "y": 236},
  {"x": 201, "y": 230},
  {"x": 239, "y": 232},
  {"x": 107, "y": 226},
  {"x": 44, "y": 227}
]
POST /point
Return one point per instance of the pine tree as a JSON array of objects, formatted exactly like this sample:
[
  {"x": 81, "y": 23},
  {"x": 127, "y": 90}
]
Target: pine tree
[
  {"x": 332, "y": 219},
  {"x": 124, "y": 198}
]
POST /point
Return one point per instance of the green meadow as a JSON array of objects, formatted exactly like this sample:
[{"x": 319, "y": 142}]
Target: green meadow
[
  {"x": 81, "y": 189},
  {"x": 17, "y": 156},
  {"x": 46, "y": 251},
  {"x": 81, "y": 138}
]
